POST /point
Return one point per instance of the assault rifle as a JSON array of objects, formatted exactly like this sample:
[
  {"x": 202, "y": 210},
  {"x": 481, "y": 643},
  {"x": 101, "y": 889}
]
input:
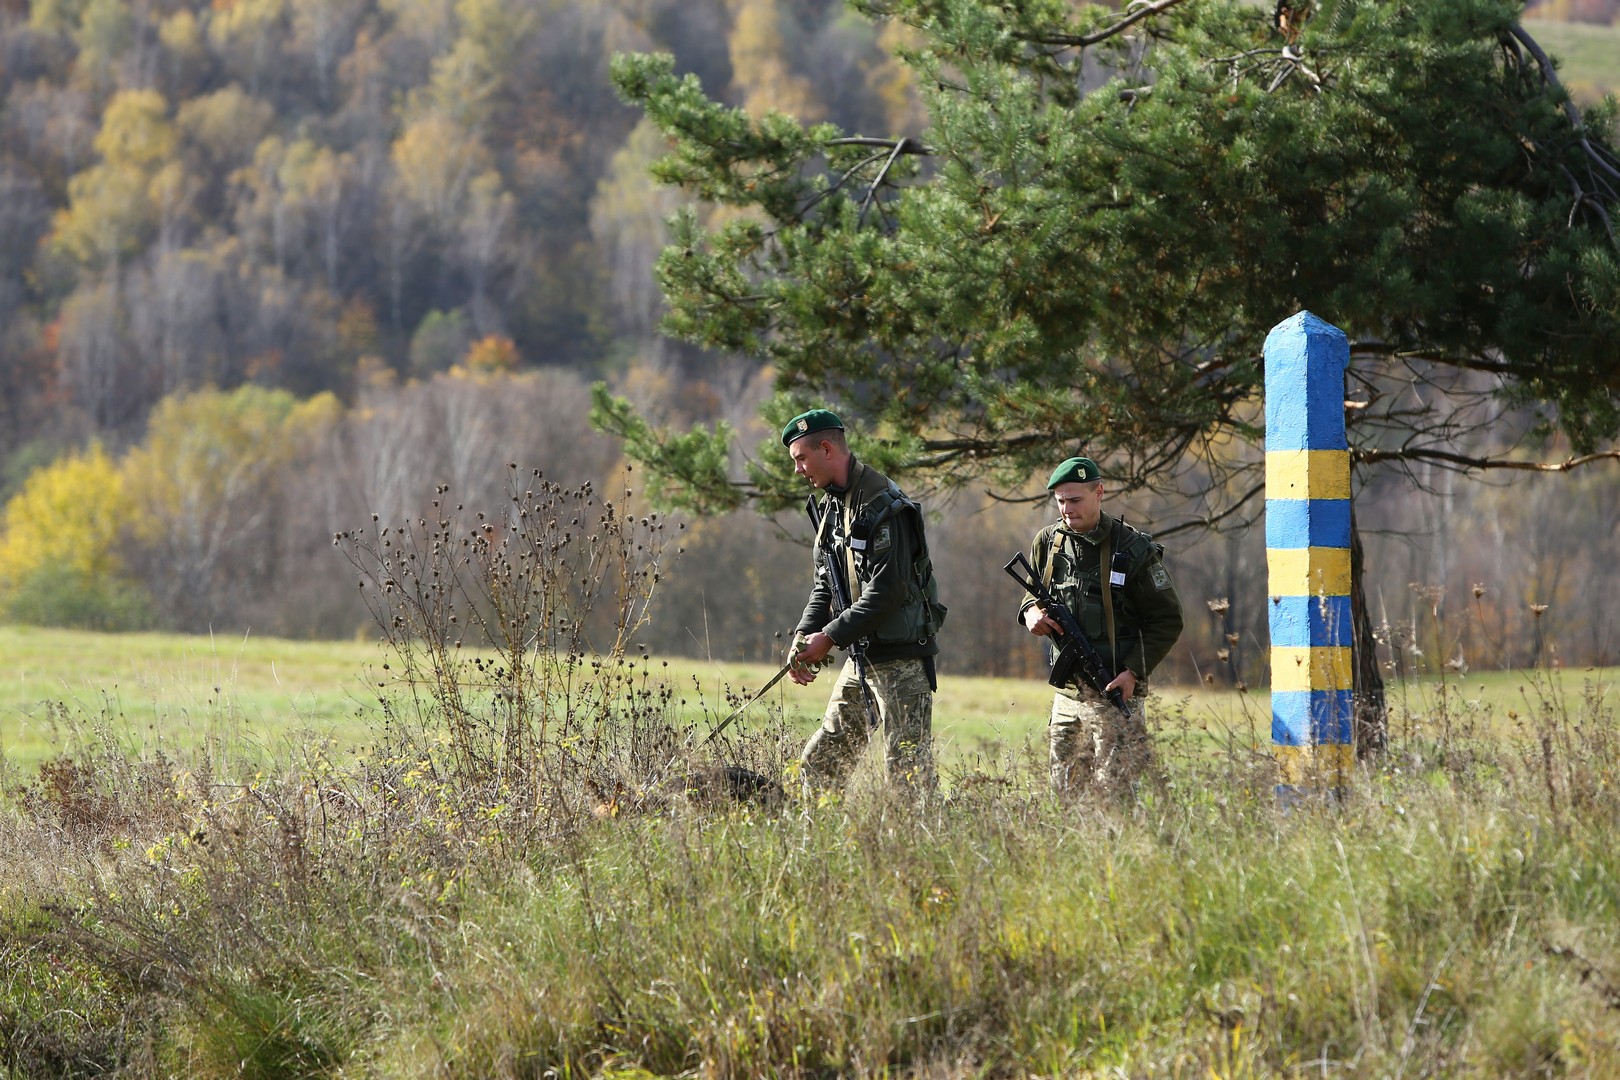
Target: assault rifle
[
  {"x": 840, "y": 604},
  {"x": 1077, "y": 657}
]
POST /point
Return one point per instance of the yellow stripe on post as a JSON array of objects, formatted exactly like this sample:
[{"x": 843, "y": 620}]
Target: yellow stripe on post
[
  {"x": 1315, "y": 571},
  {"x": 1308, "y": 555},
  {"x": 1322, "y": 765},
  {"x": 1307, "y": 474},
  {"x": 1315, "y": 668}
]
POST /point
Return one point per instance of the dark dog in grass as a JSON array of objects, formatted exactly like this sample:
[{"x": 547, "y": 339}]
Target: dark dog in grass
[
  {"x": 710, "y": 786},
  {"x": 718, "y": 784}
]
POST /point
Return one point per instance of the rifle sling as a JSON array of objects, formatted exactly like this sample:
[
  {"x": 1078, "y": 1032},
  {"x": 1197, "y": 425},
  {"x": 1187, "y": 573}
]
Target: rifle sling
[
  {"x": 850, "y": 578},
  {"x": 821, "y": 530},
  {"x": 1104, "y": 572},
  {"x": 761, "y": 692}
]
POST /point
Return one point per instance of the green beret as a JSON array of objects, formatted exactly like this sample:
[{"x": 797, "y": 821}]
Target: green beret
[
  {"x": 806, "y": 422},
  {"x": 1079, "y": 470}
]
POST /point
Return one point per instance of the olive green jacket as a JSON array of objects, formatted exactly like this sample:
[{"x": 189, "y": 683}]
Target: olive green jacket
[
  {"x": 1147, "y": 611},
  {"x": 896, "y": 609}
]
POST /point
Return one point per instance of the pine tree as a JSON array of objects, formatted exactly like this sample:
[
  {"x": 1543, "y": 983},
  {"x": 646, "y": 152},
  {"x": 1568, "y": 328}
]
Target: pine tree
[{"x": 1084, "y": 249}]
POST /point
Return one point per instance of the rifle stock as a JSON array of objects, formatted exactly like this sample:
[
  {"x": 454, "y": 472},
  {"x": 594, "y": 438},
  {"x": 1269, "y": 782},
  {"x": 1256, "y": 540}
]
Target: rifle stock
[{"x": 1076, "y": 659}]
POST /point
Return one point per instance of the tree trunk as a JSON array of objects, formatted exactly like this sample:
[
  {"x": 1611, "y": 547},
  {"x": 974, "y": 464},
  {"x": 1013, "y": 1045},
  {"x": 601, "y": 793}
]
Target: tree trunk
[{"x": 1371, "y": 709}]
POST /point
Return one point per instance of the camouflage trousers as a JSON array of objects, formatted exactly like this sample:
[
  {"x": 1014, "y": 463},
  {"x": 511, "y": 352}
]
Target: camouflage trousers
[
  {"x": 905, "y": 708},
  {"x": 1095, "y": 748}
]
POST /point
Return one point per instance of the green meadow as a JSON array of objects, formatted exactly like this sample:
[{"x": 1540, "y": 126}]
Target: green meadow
[
  {"x": 244, "y": 858},
  {"x": 151, "y": 691},
  {"x": 1588, "y": 56}
]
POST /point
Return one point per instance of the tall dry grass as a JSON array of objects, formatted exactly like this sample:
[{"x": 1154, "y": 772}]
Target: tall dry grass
[{"x": 534, "y": 876}]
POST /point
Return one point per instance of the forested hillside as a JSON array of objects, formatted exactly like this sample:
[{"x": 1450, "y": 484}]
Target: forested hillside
[
  {"x": 270, "y": 266},
  {"x": 286, "y": 192},
  {"x": 436, "y": 214}
]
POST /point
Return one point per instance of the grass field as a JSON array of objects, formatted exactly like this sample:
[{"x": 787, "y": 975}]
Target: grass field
[
  {"x": 415, "y": 914},
  {"x": 155, "y": 690},
  {"x": 1589, "y": 56}
]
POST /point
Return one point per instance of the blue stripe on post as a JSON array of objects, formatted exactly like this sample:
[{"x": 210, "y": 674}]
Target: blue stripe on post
[
  {"x": 1310, "y": 717},
  {"x": 1307, "y": 523},
  {"x": 1307, "y": 542},
  {"x": 1305, "y": 362},
  {"x": 1298, "y": 622}
]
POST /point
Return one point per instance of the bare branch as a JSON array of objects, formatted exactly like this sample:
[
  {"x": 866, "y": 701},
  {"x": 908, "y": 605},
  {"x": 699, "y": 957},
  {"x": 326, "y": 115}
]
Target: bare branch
[
  {"x": 1081, "y": 41},
  {"x": 1606, "y": 171},
  {"x": 1482, "y": 463},
  {"x": 903, "y": 145},
  {"x": 1248, "y": 54},
  {"x": 877, "y": 181},
  {"x": 946, "y": 451},
  {"x": 870, "y": 159},
  {"x": 1209, "y": 521},
  {"x": 1291, "y": 62},
  {"x": 1398, "y": 352},
  {"x": 1549, "y": 73}
]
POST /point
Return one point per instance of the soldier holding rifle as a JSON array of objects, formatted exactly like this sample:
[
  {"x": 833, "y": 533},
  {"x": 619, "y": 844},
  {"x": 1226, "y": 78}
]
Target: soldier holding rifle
[
  {"x": 875, "y": 597},
  {"x": 1112, "y": 579}
]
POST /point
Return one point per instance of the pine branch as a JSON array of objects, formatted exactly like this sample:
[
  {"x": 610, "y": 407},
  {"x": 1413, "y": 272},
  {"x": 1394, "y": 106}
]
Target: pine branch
[
  {"x": 877, "y": 181},
  {"x": 1603, "y": 170}
]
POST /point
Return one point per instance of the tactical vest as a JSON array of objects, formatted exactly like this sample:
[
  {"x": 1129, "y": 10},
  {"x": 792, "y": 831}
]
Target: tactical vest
[
  {"x": 1080, "y": 588},
  {"x": 919, "y": 618}
]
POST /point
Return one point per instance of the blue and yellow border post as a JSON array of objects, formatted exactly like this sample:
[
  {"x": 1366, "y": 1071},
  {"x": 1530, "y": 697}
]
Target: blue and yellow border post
[{"x": 1308, "y": 554}]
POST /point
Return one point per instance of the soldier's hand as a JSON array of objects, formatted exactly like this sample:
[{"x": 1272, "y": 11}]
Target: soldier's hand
[
  {"x": 1125, "y": 683},
  {"x": 806, "y": 661},
  {"x": 1039, "y": 623},
  {"x": 799, "y": 671}
]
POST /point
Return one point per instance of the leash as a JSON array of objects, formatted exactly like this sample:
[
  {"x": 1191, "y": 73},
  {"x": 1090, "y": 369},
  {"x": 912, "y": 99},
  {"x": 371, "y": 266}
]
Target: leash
[{"x": 781, "y": 671}]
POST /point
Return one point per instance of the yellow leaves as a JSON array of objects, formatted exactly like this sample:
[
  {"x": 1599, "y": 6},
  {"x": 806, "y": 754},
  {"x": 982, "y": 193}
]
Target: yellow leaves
[
  {"x": 67, "y": 515},
  {"x": 180, "y": 33},
  {"x": 135, "y": 131},
  {"x": 105, "y": 32},
  {"x": 113, "y": 203},
  {"x": 469, "y": 76},
  {"x": 109, "y": 209},
  {"x": 208, "y": 451},
  {"x": 492, "y": 355},
  {"x": 434, "y": 160},
  {"x": 205, "y": 473},
  {"x": 228, "y": 124},
  {"x": 245, "y": 20},
  {"x": 892, "y": 82},
  {"x": 54, "y": 16},
  {"x": 166, "y": 188},
  {"x": 313, "y": 171},
  {"x": 759, "y": 66}
]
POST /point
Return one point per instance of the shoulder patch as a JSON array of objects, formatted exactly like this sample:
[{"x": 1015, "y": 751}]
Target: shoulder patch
[
  {"x": 883, "y": 538},
  {"x": 1161, "y": 577}
]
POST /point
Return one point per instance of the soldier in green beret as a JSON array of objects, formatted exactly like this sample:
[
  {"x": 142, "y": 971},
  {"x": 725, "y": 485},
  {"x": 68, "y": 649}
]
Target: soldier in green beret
[
  {"x": 870, "y": 547},
  {"x": 1113, "y": 578}
]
